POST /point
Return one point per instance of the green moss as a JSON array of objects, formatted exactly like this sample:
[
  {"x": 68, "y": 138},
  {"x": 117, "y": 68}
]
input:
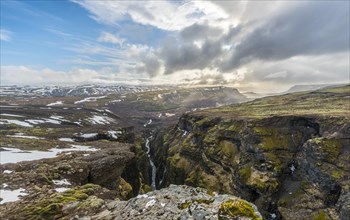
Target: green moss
[
  {"x": 203, "y": 122},
  {"x": 43, "y": 178},
  {"x": 235, "y": 127},
  {"x": 337, "y": 174},
  {"x": 211, "y": 193},
  {"x": 210, "y": 138},
  {"x": 263, "y": 130},
  {"x": 228, "y": 149},
  {"x": 51, "y": 207},
  {"x": 192, "y": 178},
  {"x": 29, "y": 144},
  {"x": 204, "y": 201},
  {"x": 180, "y": 163},
  {"x": 275, "y": 160},
  {"x": 245, "y": 172},
  {"x": 199, "y": 178},
  {"x": 145, "y": 188},
  {"x": 258, "y": 180},
  {"x": 92, "y": 202},
  {"x": 39, "y": 132},
  {"x": 125, "y": 190},
  {"x": 274, "y": 141},
  {"x": 271, "y": 185},
  {"x": 331, "y": 147},
  {"x": 317, "y": 140},
  {"x": 321, "y": 215},
  {"x": 187, "y": 204},
  {"x": 237, "y": 208}
]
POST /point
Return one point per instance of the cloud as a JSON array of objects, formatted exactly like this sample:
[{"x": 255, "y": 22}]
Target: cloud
[
  {"x": 282, "y": 74},
  {"x": 11, "y": 74},
  {"x": 294, "y": 33},
  {"x": 300, "y": 70},
  {"x": 74, "y": 76},
  {"x": 200, "y": 32},
  {"x": 312, "y": 28},
  {"x": 242, "y": 43},
  {"x": 182, "y": 55},
  {"x": 5, "y": 35},
  {"x": 165, "y": 15},
  {"x": 111, "y": 38}
]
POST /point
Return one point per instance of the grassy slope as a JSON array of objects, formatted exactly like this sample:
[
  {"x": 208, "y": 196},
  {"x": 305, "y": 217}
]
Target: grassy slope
[{"x": 325, "y": 102}]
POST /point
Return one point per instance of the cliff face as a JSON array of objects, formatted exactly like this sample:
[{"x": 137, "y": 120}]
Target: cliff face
[{"x": 291, "y": 166}]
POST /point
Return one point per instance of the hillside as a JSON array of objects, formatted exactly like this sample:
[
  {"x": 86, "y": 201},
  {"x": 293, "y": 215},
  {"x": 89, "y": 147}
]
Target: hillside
[
  {"x": 287, "y": 154},
  {"x": 329, "y": 101}
]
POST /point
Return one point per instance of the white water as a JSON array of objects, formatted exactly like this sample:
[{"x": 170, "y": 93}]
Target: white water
[
  {"x": 154, "y": 169},
  {"x": 147, "y": 123},
  {"x": 164, "y": 173}
]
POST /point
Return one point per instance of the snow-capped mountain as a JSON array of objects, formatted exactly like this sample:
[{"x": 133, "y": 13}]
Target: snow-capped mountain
[{"x": 84, "y": 90}]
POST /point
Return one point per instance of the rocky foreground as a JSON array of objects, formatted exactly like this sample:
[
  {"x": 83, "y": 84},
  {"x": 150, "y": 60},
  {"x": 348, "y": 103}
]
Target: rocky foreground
[{"x": 174, "y": 202}]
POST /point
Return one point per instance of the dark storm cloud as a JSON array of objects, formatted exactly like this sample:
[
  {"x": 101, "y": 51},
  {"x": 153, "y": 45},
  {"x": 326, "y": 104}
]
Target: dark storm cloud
[
  {"x": 152, "y": 65},
  {"x": 311, "y": 29},
  {"x": 200, "y": 31},
  {"x": 178, "y": 56}
]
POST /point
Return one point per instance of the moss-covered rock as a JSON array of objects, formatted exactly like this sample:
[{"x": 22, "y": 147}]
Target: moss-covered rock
[
  {"x": 245, "y": 172},
  {"x": 200, "y": 178},
  {"x": 51, "y": 207},
  {"x": 237, "y": 209},
  {"x": 330, "y": 148},
  {"x": 125, "y": 190},
  {"x": 320, "y": 215}
]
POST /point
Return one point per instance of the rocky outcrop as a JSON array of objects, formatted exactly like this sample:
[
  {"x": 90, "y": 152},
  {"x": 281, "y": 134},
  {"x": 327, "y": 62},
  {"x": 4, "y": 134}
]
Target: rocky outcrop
[
  {"x": 49, "y": 204},
  {"x": 291, "y": 167},
  {"x": 183, "y": 202},
  {"x": 108, "y": 168},
  {"x": 93, "y": 202}
]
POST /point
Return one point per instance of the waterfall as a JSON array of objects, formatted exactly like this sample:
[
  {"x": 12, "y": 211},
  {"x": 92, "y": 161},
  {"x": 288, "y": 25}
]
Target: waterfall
[
  {"x": 154, "y": 169},
  {"x": 164, "y": 173}
]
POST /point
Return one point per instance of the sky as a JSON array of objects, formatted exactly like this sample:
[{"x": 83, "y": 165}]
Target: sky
[{"x": 261, "y": 46}]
